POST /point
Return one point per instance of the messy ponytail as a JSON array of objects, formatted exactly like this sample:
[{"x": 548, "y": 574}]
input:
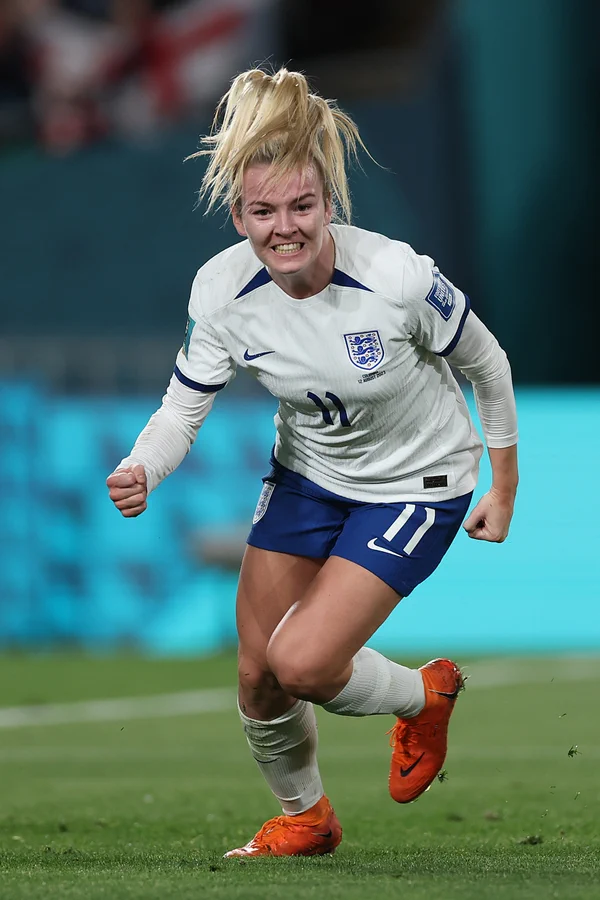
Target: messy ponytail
[{"x": 274, "y": 119}]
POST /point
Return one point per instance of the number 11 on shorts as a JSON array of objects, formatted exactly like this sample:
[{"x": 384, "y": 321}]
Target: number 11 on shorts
[{"x": 398, "y": 524}]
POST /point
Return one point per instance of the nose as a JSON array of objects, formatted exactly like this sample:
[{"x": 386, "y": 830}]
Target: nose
[{"x": 284, "y": 223}]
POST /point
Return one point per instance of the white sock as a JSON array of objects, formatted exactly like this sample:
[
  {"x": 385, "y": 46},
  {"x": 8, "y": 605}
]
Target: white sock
[
  {"x": 286, "y": 752},
  {"x": 378, "y": 686}
]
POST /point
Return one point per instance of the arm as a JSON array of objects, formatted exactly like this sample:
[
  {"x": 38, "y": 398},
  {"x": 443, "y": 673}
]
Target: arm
[
  {"x": 170, "y": 432},
  {"x": 439, "y": 319},
  {"x": 480, "y": 358},
  {"x": 203, "y": 367},
  {"x": 505, "y": 473},
  {"x": 160, "y": 447}
]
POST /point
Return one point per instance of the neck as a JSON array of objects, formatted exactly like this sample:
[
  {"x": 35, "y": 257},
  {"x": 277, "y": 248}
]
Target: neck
[{"x": 313, "y": 280}]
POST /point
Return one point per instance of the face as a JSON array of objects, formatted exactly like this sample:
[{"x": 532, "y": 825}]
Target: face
[{"x": 286, "y": 222}]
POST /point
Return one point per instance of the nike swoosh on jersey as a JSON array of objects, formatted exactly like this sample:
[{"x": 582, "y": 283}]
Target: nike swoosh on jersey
[
  {"x": 372, "y": 545},
  {"x": 250, "y": 356},
  {"x": 405, "y": 772}
]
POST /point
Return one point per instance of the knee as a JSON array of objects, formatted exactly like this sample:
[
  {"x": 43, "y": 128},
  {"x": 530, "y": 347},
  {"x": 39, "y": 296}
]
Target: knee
[
  {"x": 256, "y": 678},
  {"x": 253, "y": 675},
  {"x": 298, "y": 674},
  {"x": 260, "y": 694}
]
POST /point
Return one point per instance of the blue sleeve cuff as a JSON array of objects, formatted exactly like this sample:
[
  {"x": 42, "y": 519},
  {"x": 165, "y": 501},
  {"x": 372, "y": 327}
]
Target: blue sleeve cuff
[{"x": 196, "y": 385}]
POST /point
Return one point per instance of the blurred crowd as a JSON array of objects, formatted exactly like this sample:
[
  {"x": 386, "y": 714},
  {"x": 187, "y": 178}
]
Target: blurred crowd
[{"x": 72, "y": 71}]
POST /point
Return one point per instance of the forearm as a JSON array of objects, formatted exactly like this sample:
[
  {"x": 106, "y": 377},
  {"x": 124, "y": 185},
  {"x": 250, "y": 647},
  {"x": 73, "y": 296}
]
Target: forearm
[
  {"x": 505, "y": 472},
  {"x": 159, "y": 448},
  {"x": 170, "y": 432}
]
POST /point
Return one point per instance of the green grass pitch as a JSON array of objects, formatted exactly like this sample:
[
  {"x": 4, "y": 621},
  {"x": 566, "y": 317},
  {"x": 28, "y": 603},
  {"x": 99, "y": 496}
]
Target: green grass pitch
[{"x": 145, "y": 807}]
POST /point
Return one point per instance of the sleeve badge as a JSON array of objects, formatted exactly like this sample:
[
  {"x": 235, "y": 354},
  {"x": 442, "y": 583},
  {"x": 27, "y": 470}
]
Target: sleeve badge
[
  {"x": 188, "y": 336},
  {"x": 441, "y": 296}
]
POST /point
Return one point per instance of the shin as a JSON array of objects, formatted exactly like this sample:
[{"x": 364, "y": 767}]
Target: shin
[{"x": 282, "y": 735}]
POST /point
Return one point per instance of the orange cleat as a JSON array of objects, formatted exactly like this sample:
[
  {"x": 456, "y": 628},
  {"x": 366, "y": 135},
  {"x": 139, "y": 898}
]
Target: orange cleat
[
  {"x": 420, "y": 743},
  {"x": 311, "y": 833}
]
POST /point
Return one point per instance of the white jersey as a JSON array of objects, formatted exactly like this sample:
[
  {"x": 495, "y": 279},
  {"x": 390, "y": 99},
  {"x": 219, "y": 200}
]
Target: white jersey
[{"x": 368, "y": 406}]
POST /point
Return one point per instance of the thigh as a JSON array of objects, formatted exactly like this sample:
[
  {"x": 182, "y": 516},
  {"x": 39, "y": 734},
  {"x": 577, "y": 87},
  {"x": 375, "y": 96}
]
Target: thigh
[
  {"x": 382, "y": 553},
  {"x": 341, "y": 609},
  {"x": 270, "y": 584}
]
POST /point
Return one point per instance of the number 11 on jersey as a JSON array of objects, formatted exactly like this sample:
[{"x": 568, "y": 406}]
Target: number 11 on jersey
[{"x": 327, "y": 417}]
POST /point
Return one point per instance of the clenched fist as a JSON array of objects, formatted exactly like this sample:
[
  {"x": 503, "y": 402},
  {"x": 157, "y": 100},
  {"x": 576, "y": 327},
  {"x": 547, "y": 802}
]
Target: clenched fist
[
  {"x": 128, "y": 490},
  {"x": 490, "y": 520}
]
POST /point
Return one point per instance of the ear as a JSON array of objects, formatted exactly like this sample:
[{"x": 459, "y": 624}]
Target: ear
[{"x": 237, "y": 221}]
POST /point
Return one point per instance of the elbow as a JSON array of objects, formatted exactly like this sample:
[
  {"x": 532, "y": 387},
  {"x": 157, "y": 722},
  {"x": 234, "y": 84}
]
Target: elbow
[{"x": 491, "y": 372}]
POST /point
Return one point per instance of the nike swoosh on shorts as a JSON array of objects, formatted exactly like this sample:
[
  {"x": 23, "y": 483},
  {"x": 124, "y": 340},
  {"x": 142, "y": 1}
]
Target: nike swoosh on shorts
[{"x": 372, "y": 545}]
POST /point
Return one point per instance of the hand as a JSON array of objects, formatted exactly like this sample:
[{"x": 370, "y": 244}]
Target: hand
[
  {"x": 490, "y": 520},
  {"x": 128, "y": 490}
]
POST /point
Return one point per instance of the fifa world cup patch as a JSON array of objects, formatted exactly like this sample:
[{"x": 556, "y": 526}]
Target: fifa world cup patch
[
  {"x": 441, "y": 296},
  {"x": 263, "y": 501},
  {"x": 188, "y": 336}
]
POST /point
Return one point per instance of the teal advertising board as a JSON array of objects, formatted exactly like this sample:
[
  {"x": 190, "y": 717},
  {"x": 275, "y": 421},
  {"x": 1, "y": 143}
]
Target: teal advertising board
[{"x": 74, "y": 573}]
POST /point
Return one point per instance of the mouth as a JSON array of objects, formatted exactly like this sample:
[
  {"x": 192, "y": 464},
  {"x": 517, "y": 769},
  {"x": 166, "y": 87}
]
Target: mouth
[{"x": 287, "y": 249}]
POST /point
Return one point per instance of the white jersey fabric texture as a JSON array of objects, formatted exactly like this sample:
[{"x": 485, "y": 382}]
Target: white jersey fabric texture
[{"x": 368, "y": 405}]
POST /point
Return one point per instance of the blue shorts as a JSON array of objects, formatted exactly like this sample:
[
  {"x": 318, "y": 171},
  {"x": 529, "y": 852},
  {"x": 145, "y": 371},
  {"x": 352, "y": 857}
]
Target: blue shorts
[{"x": 401, "y": 543}]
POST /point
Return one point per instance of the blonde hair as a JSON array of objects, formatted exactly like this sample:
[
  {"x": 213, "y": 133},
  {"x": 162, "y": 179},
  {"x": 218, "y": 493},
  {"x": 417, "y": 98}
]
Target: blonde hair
[{"x": 274, "y": 119}]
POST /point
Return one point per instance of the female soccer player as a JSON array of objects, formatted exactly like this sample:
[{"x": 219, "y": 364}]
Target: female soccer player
[{"x": 375, "y": 458}]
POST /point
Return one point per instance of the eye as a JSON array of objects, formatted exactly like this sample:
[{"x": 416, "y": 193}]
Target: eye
[
  {"x": 260, "y": 213},
  {"x": 304, "y": 207}
]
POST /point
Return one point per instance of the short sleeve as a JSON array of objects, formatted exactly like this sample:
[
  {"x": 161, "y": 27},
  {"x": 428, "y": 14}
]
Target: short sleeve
[
  {"x": 436, "y": 309},
  {"x": 203, "y": 363}
]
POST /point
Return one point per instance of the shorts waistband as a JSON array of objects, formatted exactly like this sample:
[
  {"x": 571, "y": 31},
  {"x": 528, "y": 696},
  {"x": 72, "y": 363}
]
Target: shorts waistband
[{"x": 282, "y": 475}]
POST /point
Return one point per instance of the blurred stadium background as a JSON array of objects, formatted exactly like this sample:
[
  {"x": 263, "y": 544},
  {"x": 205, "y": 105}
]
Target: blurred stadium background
[{"x": 483, "y": 117}]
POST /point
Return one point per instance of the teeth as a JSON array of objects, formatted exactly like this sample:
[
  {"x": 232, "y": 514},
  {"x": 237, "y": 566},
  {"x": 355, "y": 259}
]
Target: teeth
[{"x": 287, "y": 248}]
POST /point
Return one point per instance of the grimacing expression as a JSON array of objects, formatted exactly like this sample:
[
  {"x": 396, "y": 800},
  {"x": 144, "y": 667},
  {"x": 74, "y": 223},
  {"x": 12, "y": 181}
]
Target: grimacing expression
[{"x": 285, "y": 222}]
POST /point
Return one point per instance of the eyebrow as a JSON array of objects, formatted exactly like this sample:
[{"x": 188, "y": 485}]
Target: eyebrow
[{"x": 296, "y": 200}]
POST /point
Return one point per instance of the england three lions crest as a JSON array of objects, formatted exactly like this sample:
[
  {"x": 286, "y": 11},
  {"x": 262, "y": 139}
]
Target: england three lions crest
[{"x": 364, "y": 349}]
